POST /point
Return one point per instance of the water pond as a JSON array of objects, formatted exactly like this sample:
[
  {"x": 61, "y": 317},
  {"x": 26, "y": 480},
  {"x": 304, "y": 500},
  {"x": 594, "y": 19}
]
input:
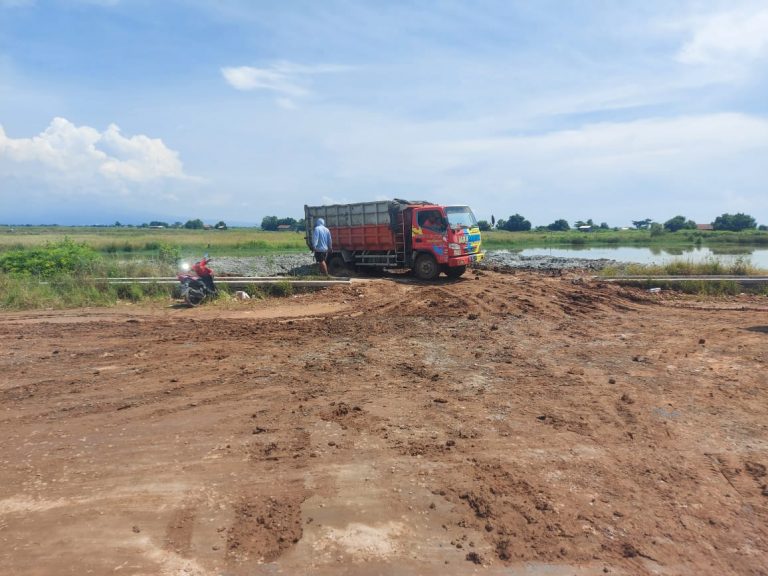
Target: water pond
[{"x": 756, "y": 256}]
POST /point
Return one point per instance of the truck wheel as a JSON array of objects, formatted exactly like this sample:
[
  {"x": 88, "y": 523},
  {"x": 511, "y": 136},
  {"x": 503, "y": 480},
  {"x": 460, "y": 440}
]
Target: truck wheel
[
  {"x": 456, "y": 271},
  {"x": 337, "y": 266},
  {"x": 426, "y": 267}
]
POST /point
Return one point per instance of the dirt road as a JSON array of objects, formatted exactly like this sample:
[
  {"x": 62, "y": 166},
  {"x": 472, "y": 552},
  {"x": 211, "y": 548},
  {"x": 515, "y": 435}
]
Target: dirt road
[{"x": 499, "y": 425}]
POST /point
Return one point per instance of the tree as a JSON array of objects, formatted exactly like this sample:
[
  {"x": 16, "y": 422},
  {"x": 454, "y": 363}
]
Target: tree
[
  {"x": 269, "y": 223},
  {"x": 734, "y": 222},
  {"x": 656, "y": 229},
  {"x": 679, "y": 223},
  {"x": 301, "y": 224},
  {"x": 604, "y": 226},
  {"x": 483, "y": 225},
  {"x": 196, "y": 224},
  {"x": 158, "y": 224},
  {"x": 517, "y": 223},
  {"x": 500, "y": 223},
  {"x": 221, "y": 225},
  {"x": 559, "y": 226},
  {"x": 642, "y": 224}
]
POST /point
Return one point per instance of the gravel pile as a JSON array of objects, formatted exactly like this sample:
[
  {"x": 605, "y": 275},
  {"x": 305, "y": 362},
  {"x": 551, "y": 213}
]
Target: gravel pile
[
  {"x": 303, "y": 264},
  {"x": 272, "y": 265},
  {"x": 507, "y": 259}
]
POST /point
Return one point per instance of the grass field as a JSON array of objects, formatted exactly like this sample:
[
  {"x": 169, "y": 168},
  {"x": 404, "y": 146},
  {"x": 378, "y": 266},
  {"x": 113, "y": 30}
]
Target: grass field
[
  {"x": 237, "y": 241},
  {"x": 710, "y": 267},
  {"x": 253, "y": 241}
]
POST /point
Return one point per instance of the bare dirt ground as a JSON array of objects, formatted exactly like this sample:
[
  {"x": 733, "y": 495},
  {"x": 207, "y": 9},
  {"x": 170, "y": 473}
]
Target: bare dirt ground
[{"x": 504, "y": 424}]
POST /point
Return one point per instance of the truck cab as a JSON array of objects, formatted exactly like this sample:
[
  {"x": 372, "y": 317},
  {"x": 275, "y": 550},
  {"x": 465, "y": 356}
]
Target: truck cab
[{"x": 444, "y": 239}]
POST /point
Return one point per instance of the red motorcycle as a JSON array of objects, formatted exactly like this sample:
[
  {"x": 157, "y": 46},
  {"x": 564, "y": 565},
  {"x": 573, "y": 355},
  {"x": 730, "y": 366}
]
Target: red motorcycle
[{"x": 196, "y": 282}]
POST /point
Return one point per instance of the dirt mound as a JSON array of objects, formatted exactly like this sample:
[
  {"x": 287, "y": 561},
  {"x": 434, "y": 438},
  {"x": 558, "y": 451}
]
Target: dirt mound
[{"x": 534, "y": 421}]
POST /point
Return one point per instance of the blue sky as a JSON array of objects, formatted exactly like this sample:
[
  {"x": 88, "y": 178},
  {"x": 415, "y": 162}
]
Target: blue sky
[{"x": 138, "y": 110}]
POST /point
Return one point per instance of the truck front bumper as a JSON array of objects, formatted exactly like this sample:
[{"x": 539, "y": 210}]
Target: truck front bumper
[{"x": 465, "y": 260}]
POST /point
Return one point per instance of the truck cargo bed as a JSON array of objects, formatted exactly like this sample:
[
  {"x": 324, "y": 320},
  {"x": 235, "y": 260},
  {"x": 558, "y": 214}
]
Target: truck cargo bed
[{"x": 361, "y": 226}]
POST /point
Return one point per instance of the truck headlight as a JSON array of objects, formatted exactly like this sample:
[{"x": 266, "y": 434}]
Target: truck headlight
[{"x": 453, "y": 246}]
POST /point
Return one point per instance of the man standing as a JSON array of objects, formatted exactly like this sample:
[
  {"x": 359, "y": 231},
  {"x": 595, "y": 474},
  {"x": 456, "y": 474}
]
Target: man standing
[{"x": 321, "y": 244}]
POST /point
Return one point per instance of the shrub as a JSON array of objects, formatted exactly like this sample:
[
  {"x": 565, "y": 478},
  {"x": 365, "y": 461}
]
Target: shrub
[
  {"x": 50, "y": 260},
  {"x": 168, "y": 253},
  {"x": 132, "y": 292},
  {"x": 283, "y": 288}
]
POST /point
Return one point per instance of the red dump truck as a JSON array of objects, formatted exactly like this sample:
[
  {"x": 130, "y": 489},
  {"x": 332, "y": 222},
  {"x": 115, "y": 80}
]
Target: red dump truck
[{"x": 425, "y": 237}]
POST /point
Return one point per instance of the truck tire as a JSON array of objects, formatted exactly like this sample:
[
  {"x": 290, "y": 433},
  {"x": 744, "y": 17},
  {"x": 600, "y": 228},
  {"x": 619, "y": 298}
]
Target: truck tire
[
  {"x": 337, "y": 266},
  {"x": 455, "y": 271},
  {"x": 426, "y": 267}
]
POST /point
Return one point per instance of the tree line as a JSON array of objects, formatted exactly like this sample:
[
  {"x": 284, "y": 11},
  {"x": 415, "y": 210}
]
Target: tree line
[
  {"x": 730, "y": 222},
  {"x": 515, "y": 223},
  {"x": 274, "y": 223},
  {"x": 195, "y": 224}
]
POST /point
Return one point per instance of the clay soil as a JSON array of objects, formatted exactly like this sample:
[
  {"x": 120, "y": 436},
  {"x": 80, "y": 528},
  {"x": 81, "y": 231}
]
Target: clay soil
[{"x": 503, "y": 424}]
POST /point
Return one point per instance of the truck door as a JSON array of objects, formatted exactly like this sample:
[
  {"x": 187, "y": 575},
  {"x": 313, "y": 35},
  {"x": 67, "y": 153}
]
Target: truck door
[{"x": 429, "y": 229}]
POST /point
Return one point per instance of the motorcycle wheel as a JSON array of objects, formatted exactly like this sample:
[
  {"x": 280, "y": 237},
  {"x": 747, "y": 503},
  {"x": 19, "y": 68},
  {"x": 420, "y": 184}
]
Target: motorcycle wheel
[{"x": 194, "y": 297}]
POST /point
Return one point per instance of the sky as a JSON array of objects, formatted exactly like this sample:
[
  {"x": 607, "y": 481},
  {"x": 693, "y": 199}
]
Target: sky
[{"x": 137, "y": 110}]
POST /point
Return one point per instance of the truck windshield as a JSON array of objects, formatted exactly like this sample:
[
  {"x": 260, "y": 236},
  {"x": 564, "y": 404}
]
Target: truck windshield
[{"x": 460, "y": 216}]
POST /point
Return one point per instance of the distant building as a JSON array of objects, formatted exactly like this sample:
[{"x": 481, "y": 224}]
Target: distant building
[
  {"x": 585, "y": 228},
  {"x": 704, "y": 227},
  {"x": 284, "y": 227}
]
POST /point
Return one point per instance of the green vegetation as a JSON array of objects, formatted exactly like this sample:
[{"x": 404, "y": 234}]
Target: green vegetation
[
  {"x": 734, "y": 222},
  {"x": 67, "y": 274},
  {"x": 58, "y": 267},
  {"x": 709, "y": 267},
  {"x": 515, "y": 223},
  {"x": 147, "y": 241},
  {"x": 52, "y": 259},
  {"x": 559, "y": 226},
  {"x": 273, "y": 223},
  {"x": 679, "y": 223},
  {"x": 128, "y": 242},
  {"x": 699, "y": 287},
  {"x": 20, "y": 292}
]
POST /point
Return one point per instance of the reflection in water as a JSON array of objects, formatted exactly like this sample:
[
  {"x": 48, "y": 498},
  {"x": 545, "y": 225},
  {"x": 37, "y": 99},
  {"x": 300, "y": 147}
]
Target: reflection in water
[
  {"x": 731, "y": 250},
  {"x": 756, "y": 256}
]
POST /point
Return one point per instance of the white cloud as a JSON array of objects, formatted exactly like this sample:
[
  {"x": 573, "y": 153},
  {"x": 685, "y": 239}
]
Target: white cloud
[
  {"x": 250, "y": 78},
  {"x": 73, "y": 174},
  {"x": 81, "y": 153},
  {"x": 605, "y": 170},
  {"x": 287, "y": 79},
  {"x": 740, "y": 35}
]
